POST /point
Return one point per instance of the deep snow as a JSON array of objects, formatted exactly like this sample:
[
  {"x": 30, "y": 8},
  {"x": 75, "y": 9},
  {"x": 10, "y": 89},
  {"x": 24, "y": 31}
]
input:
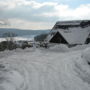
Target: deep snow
[{"x": 45, "y": 69}]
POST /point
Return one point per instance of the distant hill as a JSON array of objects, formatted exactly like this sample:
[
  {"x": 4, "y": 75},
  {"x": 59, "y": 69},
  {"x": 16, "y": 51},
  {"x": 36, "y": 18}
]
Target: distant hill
[{"x": 20, "y": 32}]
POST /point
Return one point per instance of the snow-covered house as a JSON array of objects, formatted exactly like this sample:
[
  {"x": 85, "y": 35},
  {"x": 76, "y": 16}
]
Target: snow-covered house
[{"x": 70, "y": 32}]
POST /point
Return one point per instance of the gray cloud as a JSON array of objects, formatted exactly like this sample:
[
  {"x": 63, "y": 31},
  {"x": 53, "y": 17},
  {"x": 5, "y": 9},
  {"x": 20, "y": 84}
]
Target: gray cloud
[
  {"x": 4, "y": 22},
  {"x": 28, "y": 13},
  {"x": 33, "y": 12}
]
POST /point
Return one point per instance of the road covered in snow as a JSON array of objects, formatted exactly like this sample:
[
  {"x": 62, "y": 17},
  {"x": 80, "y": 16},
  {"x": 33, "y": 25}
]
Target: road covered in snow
[{"x": 57, "y": 68}]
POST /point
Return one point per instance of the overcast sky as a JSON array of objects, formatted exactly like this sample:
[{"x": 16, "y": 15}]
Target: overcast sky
[{"x": 41, "y": 14}]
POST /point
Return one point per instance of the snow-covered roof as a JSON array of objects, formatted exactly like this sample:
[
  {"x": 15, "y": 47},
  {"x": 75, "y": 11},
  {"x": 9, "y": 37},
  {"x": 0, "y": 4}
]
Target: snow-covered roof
[
  {"x": 74, "y": 22},
  {"x": 73, "y": 35},
  {"x": 68, "y": 24}
]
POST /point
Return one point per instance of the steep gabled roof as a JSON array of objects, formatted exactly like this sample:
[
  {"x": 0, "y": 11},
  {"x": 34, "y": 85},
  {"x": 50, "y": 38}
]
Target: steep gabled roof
[
  {"x": 75, "y": 35},
  {"x": 75, "y": 32}
]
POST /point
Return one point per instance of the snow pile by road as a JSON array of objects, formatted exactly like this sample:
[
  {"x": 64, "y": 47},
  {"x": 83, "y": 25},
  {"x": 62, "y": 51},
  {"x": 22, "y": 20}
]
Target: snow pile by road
[
  {"x": 35, "y": 69},
  {"x": 86, "y": 55},
  {"x": 83, "y": 66},
  {"x": 80, "y": 47},
  {"x": 59, "y": 48}
]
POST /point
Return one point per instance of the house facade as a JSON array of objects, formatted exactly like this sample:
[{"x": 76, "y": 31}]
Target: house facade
[{"x": 70, "y": 32}]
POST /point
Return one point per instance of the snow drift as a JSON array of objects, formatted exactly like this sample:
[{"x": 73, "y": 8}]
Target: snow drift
[
  {"x": 59, "y": 48},
  {"x": 86, "y": 54}
]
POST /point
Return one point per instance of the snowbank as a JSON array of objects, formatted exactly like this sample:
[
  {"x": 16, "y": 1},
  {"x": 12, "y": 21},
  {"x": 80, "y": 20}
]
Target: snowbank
[
  {"x": 86, "y": 55},
  {"x": 82, "y": 66},
  {"x": 80, "y": 47},
  {"x": 59, "y": 48}
]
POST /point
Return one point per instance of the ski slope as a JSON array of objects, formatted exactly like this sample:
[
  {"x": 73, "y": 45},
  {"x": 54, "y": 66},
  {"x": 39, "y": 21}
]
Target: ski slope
[{"x": 45, "y": 69}]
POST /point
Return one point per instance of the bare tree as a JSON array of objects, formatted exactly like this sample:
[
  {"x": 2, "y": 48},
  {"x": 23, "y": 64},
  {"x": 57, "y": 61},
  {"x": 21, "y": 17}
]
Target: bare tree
[{"x": 10, "y": 38}]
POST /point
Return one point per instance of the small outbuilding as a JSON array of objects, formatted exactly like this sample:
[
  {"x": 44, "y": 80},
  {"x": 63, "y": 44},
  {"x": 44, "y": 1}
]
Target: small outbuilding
[{"x": 70, "y": 32}]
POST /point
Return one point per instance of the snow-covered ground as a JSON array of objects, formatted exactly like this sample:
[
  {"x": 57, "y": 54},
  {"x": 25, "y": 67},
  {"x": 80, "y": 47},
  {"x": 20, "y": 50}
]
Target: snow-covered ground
[{"x": 57, "y": 68}]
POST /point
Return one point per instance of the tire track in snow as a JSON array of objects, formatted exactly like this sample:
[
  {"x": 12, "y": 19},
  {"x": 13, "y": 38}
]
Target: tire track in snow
[{"x": 41, "y": 72}]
